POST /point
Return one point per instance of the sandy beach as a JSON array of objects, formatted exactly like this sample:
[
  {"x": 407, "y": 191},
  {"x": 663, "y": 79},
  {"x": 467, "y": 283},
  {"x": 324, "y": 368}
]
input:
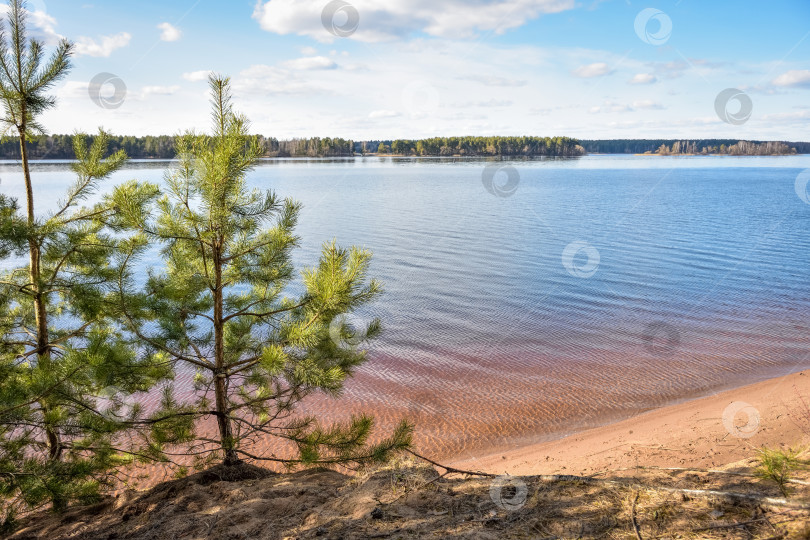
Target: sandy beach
[
  {"x": 703, "y": 433},
  {"x": 717, "y": 496}
]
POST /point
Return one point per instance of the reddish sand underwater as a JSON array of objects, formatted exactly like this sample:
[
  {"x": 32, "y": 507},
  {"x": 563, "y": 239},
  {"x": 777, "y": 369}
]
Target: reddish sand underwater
[
  {"x": 707, "y": 432},
  {"x": 467, "y": 406}
]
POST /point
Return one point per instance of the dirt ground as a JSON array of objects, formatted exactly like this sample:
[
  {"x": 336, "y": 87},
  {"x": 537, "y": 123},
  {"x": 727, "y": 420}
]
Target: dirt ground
[
  {"x": 412, "y": 500},
  {"x": 685, "y": 471}
]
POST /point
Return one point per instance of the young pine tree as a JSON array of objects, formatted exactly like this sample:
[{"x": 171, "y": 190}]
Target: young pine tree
[
  {"x": 60, "y": 422},
  {"x": 24, "y": 83},
  {"x": 219, "y": 308},
  {"x": 59, "y": 348}
]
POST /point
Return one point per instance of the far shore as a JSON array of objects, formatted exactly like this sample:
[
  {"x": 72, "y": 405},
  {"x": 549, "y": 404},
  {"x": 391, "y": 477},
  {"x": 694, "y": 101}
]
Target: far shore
[{"x": 691, "y": 434}]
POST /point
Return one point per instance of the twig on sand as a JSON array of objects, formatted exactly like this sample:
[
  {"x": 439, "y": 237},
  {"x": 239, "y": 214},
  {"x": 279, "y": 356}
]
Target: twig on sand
[
  {"x": 633, "y": 517},
  {"x": 452, "y": 470},
  {"x": 728, "y": 495}
]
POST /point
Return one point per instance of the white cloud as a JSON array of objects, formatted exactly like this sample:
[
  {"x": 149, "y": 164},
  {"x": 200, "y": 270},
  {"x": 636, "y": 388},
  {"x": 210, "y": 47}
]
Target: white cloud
[
  {"x": 503, "y": 88},
  {"x": 491, "y": 80},
  {"x": 169, "y": 32},
  {"x": 45, "y": 26},
  {"x": 647, "y": 104},
  {"x": 788, "y": 117},
  {"x": 794, "y": 77},
  {"x": 381, "y": 21},
  {"x": 197, "y": 76},
  {"x": 41, "y": 26},
  {"x": 311, "y": 62},
  {"x": 86, "y": 46},
  {"x": 670, "y": 70},
  {"x": 309, "y": 51},
  {"x": 383, "y": 114},
  {"x": 592, "y": 70},
  {"x": 610, "y": 106},
  {"x": 159, "y": 90},
  {"x": 643, "y": 78},
  {"x": 489, "y": 103},
  {"x": 73, "y": 89},
  {"x": 263, "y": 80}
]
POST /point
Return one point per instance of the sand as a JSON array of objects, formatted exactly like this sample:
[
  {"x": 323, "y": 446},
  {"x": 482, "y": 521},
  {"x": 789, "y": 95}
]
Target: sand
[
  {"x": 703, "y": 433},
  {"x": 718, "y": 435}
]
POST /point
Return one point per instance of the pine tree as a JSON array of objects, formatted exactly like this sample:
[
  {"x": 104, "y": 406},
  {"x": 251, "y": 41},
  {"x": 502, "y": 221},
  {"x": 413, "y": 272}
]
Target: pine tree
[
  {"x": 219, "y": 307},
  {"x": 23, "y": 86},
  {"x": 60, "y": 351},
  {"x": 60, "y": 416}
]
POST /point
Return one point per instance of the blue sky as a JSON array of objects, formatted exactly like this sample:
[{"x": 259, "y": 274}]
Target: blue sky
[{"x": 420, "y": 68}]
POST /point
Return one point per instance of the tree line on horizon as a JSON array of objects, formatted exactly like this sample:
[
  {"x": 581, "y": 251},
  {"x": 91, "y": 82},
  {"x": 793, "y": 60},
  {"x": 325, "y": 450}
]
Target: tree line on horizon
[
  {"x": 705, "y": 146},
  {"x": 163, "y": 146}
]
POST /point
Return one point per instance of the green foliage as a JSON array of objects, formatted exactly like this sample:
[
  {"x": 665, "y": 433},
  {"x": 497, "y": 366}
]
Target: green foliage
[
  {"x": 164, "y": 146},
  {"x": 699, "y": 146},
  {"x": 81, "y": 334},
  {"x": 778, "y": 466},
  {"x": 219, "y": 306},
  {"x": 60, "y": 349},
  {"x": 24, "y": 80},
  {"x": 312, "y": 147},
  {"x": 59, "y": 423},
  {"x": 488, "y": 146},
  {"x": 12, "y": 230}
]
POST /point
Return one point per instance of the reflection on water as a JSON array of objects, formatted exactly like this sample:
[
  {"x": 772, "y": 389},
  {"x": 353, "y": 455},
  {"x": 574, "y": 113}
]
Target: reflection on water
[{"x": 493, "y": 337}]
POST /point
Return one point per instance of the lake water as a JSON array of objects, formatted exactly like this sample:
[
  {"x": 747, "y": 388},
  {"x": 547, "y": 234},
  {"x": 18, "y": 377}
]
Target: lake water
[{"x": 566, "y": 294}]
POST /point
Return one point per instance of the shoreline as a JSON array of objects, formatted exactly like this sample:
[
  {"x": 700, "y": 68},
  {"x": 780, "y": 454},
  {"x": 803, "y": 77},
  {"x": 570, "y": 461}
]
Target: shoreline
[{"x": 705, "y": 432}]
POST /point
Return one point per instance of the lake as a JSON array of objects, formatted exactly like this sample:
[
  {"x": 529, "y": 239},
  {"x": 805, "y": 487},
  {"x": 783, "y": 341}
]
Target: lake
[{"x": 560, "y": 295}]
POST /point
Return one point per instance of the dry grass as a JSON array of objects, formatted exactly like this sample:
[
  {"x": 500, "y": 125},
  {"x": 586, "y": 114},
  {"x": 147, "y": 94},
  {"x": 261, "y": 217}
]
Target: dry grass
[{"x": 411, "y": 500}]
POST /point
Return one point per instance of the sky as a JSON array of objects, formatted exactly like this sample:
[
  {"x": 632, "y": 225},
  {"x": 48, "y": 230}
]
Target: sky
[{"x": 386, "y": 69}]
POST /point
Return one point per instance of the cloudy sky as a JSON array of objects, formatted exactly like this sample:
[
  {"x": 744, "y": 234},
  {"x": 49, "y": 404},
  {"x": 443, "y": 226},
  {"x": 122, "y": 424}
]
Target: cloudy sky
[{"x": 368, "y": 69}]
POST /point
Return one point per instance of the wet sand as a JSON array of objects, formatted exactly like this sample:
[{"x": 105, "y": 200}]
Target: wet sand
[
  {"x": 701, "y": 433},
  {"x": 489, "y": 436}
]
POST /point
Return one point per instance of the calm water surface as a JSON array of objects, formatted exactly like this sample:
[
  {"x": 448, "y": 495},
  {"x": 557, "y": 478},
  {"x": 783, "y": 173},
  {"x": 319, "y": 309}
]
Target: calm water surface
[{"x": 598, "y": 288}]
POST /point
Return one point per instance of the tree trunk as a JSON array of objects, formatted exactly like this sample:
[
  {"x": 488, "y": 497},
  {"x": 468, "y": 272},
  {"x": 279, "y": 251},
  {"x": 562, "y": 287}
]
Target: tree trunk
[
  {"x": 220, "y": 389},
  {"x": 35, "y": 276},
  {"x": 35, "y": 272}
]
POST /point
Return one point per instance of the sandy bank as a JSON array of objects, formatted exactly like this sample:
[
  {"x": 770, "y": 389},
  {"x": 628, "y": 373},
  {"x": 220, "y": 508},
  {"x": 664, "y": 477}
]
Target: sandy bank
[{"x": 707, "y": 432}]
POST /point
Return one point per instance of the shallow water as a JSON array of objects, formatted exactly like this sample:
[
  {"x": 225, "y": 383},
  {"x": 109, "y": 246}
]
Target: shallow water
[{"x": 691, "y": 276}]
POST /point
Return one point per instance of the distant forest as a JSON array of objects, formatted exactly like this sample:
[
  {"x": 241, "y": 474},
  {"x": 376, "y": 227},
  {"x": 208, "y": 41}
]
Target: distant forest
[
  {"x": 477, "y": 146},
  {"x": 706, "y": 146},
  {"x": 162, "y": 147}
]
